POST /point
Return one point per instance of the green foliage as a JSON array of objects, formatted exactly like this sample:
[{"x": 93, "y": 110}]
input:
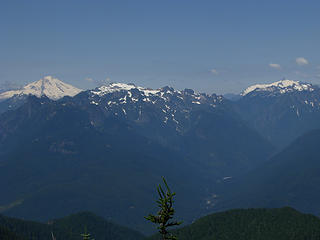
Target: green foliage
[
  {"x": 5, "y": 234},
  {"x": 86, "y": 235},
  {"x": 165, "y": 213},
  {"x": 26, "y": 229},
  {"x": 240, "y": 224}
]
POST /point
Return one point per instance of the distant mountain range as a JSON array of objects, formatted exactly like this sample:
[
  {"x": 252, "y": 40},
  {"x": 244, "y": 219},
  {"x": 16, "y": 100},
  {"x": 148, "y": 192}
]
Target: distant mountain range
[
  {"x": 105, "y": 149},
  {"x": 279, "y": 111}
]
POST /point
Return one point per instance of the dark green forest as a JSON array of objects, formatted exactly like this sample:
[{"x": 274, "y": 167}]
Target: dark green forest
[
  {"x": 253, "y": 224},
  {"x": 239, "y": 224},
  {"x": 67, "y": 228},
  {"x": 6, "y": 234}
]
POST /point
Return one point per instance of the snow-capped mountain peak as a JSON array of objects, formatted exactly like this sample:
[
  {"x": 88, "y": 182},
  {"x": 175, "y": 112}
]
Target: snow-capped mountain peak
[
  {"x": 49, "y": 86},
  {"x": 164, "y": 93},
  {"x": 116, "y": 87},
  {"x": 170, "y": 105},
  {"x": 281, "y": 87}
]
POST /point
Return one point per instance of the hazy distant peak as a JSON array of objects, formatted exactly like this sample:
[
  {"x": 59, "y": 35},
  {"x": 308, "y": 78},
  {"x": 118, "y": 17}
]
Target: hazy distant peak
[
  {"x": 282, "y": 86},
  {"x": 49, "y": 86}
]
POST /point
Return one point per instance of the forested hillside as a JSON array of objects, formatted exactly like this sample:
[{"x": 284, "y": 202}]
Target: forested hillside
[
  {"x": 253, "y": 224},
  {"x": 67, "y": 228}
]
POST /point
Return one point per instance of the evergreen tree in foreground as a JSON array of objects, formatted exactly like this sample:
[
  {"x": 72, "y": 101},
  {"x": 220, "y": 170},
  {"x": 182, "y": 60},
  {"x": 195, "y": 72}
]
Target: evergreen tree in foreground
[
  {"x": 165, "y": 213},
  {"x": 86, "y": 235}
]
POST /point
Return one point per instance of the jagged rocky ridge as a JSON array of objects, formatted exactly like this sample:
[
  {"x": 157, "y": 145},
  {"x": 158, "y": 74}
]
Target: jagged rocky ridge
[{"x": 169, "y": 106}]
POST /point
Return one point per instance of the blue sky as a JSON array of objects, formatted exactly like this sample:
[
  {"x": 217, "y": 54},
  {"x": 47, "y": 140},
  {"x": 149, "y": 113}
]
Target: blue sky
[{"x": 210, "y": 46}]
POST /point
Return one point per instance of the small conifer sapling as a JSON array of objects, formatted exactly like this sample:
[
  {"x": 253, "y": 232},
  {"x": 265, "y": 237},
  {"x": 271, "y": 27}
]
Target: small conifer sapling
[
  {"x": 165, "y": 213},
  {"x": 86, "y": 235}
]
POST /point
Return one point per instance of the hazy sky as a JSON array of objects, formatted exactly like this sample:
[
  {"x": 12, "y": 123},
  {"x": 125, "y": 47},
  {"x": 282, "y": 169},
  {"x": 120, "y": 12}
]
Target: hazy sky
[{"x": 211, "y": 46}]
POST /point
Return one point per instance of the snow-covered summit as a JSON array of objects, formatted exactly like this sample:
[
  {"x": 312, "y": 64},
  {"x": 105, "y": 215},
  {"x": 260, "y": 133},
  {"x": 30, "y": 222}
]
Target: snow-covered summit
[
  {"x": 281, "y": 87},
  {"x": 49, "y": 86}
]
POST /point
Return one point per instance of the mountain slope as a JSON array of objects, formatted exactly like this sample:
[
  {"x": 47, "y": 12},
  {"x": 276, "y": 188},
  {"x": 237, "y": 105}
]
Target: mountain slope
[
  {"x": 281, "y": 111},
  {"x": 12, "y": 103},
  {"x": 290, "y": 178},
  {"x": 250, "y": 224}
]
